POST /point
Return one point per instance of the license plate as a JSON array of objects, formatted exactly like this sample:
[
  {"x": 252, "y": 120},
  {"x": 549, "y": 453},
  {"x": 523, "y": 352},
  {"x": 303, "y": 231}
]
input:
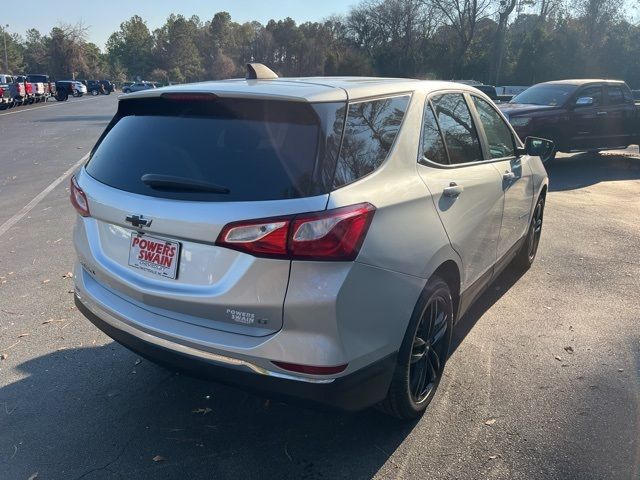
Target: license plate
[{"x": 154, "y": 255}]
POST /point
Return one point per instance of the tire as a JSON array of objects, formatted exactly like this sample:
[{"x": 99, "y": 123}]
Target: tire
[
  {"x": 95, "y": 93},
  {"x": 527, "y": 253},
  {"x": 126, "y": 90},
  {"x": 421, "y": 360}
]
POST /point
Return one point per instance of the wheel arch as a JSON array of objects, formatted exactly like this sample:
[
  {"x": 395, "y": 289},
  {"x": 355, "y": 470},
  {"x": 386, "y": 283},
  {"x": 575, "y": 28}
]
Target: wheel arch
[{"x": 450, "y": 273}]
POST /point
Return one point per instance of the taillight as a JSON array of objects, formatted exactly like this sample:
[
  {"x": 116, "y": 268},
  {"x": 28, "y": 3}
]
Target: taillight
[
  {"x": 1, "y": 91},
  {"x": 79, "y": 199},
  {"x": 329, "y": 235}
]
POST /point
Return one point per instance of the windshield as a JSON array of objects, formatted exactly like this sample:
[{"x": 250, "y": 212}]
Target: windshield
[
  {"x": 550, "y": 95},
  {"x": 258, "y": 150}
]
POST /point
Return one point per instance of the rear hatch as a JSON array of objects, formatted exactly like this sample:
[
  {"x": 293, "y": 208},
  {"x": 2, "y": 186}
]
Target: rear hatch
[{"x": 170, "y": 172}]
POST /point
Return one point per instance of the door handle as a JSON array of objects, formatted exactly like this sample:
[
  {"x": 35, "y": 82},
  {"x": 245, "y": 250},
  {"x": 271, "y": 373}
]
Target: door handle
[
  {"x": 453, "y": 190},
  {"x": 601, "y": 114},
  {"x": 508, "y": 176}
]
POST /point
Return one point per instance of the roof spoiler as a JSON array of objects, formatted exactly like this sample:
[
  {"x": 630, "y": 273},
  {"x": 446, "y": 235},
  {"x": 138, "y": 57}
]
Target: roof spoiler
[{"x": 258, "y": 71}]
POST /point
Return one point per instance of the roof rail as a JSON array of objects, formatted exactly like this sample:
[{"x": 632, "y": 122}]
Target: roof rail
[{"x": 258, "y": 71}]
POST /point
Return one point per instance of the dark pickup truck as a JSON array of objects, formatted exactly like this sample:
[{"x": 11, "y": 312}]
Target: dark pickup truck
[{"x": 578, "y": 115}]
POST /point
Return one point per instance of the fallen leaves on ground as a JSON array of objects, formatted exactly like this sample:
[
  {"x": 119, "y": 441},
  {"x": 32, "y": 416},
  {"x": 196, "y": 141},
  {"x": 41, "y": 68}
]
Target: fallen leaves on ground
[
  {"x": 159, "y": 458},
  {"x": 23, "y": 335},
  {"x": 67, "y": 275},
  {"x": 558, "y": 357},
  {"x": 53, "y": 320},
  {"x": 203, "y": 411},
  {"x": 46, "y": 280},
  {"x": 33, "y": 477},
  {"x": 490, "y": 421},
  {"x": 3, "y": 356},
  {"x": 568, "y": 349}
]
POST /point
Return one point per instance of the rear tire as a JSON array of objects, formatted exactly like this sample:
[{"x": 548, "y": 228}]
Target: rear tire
[
  {"x": 527, "y": 253},
  {"x": 423, "y": 353}
]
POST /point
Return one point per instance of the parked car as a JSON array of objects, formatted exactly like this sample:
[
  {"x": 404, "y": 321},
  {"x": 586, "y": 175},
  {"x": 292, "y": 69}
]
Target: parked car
[
  {"x": 6, "y": 98},
  {"x": 636, "y": 95},
  {"x": 65, "y": 88},
  {"x": 44, "y": 88},
  {"x": 28, "y": 94},
  {"x": 16, "y": 90},
  {"x": 137, "y": 87},
  {"x": 80, "y": 89},
  {"x": 577, "y": 115},
  {"x": 313, "y": 239},
  {"x": 491, "y": 92},
  {"x": 97, "y": 87},
  {"x": 6, "y": 101}
]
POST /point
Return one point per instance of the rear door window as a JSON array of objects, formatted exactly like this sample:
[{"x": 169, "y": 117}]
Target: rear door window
[
  {"x": 433, "y": 148},
  {"x": 457, "y": 127},
  {"x": 615, "y": 95},
  {"x": 370, "y": 129},
  {"x": 258, "y": 150}
]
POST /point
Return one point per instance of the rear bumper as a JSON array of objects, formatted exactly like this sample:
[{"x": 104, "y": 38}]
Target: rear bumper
[{"x": 356, "y": 391}]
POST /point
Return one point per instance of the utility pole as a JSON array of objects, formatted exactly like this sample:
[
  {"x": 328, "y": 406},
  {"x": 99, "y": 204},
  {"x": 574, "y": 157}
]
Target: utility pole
[{"x": 6, "y": 58}]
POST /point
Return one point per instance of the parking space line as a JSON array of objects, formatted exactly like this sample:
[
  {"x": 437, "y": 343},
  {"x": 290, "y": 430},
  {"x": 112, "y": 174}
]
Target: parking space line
[{"x": 38, "y": 198}]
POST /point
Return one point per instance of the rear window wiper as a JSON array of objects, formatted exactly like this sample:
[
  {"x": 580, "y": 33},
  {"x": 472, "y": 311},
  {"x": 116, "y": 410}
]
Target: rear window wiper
[{"x": 171, "y": 182}]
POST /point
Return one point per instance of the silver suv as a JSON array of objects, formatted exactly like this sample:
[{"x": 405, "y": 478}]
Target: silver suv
[{"x": 315, "y": 238}]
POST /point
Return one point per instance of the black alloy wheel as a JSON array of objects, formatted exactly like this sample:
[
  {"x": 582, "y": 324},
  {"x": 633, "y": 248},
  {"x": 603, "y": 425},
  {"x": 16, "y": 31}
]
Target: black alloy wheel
[
  {"x": 423, "y": 353},
  {"x": 527, "y": 253},
  {"x": 429, "y": 350}
]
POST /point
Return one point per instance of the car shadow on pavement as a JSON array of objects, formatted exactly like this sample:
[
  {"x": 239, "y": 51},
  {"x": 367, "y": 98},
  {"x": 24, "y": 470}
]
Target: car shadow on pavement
[
  {"x": 102, "y": 412},
  {"x": 585, "y": 169},
  {"x": 494, "y": 291}
]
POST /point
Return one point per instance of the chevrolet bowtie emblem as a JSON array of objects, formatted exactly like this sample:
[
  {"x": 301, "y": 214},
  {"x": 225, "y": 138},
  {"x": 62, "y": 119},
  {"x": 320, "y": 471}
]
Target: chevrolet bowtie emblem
[{"x": 138, "y": 221}]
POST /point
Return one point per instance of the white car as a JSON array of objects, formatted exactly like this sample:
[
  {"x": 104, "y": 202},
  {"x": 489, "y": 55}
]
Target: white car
[{"x": 80, "y": 89}]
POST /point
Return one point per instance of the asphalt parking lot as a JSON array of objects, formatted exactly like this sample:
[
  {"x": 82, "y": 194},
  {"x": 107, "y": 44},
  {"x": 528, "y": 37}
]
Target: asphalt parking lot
[{"x": 543, "y": 382}]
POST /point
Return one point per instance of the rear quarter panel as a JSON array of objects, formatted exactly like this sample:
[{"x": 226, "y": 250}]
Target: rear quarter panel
[{"x": 406, "y": 234}]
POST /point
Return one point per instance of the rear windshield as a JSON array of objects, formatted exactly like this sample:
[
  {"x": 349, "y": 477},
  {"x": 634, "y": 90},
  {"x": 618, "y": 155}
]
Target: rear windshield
[
  {"x": 550, "y": 95},
  {"x": 37, "y": 78},
  {"x": 254, "y": 149}
]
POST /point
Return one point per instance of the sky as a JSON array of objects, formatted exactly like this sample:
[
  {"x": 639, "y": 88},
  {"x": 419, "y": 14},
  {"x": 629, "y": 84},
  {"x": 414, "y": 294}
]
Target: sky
[{"x": 104, "y": 18}]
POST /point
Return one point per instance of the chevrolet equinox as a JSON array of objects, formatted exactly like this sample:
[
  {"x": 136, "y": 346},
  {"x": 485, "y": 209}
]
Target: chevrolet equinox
[{"x": 313, "y": 238}]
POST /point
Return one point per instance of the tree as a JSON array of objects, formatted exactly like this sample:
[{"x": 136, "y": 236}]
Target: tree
[
  {"x": 65, "y": 50},
  {"x": 462, "y": 16},
  {"x": 175, "y": 47},
  {"x": 35, "y": 51},
  {"x": 14, "y": 52},
  {"x": 131, "y": 47},
  {"x": 505, "y": 10}
]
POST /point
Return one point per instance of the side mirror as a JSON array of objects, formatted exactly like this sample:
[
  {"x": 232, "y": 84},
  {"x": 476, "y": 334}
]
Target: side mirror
[
  {"x": 537, "y": 147},
  {"x": 584, "y": 102}
]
